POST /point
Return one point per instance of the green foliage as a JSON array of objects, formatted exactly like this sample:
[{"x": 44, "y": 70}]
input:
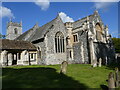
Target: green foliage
[
  {"x": 2, "y": 36},
  {"x": 116, "y": 42},
  {"x": 78, "y": 76}
]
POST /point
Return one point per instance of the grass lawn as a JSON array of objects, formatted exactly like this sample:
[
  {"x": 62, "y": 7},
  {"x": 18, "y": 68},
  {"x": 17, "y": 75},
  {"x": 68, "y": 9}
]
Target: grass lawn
[{"x": 78, "y": 76}]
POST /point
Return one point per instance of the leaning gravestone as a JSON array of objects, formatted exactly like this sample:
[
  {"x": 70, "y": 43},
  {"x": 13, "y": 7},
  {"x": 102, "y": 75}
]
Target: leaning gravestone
[
  {"x": 111, "y": 82},
  {"x": 64, "y": 67},
  {"x": 117, "y": 77},
  {"x": 99, "y": 63}
]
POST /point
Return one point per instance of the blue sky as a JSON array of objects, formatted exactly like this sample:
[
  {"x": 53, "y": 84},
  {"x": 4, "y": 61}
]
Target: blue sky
[{"x": 30, "y": 13}]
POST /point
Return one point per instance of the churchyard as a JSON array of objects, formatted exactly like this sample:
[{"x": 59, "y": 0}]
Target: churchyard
[{"x": 40, "y": 76}]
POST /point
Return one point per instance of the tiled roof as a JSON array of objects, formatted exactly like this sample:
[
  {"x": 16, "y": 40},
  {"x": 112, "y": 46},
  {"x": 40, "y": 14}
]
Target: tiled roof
[
  {"x": 14, "y": 44},
  {"x": 35, "y": 34}
]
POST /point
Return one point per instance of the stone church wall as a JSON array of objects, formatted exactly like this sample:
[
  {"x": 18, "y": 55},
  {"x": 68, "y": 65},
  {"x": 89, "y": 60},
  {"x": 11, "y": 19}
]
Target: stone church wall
[
  {"x": 51, "y": 56},
  {"x": 104, "y": 52},
  {"x": 42, "y": 55},
  {"x": 82, "y": 39},
  {"x": 13, "y": 30},
  {"x": 81, "y": 51}
]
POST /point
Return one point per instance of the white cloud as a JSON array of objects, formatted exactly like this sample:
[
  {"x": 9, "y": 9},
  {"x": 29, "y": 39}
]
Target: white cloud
[
  {"x": 104, "y": 0},
  {"x": 65, "y": 18},
  {"x": 103, "y": 4},
  {"x": 43, "y": 4},
  {"x": 6, "y": 12}
]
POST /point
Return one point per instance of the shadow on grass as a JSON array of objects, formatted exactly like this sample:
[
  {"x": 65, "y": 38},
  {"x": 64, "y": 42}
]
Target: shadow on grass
[
  {"x": 37, "y": 78},
  {"x": 113, "y": 65},
  {"x": 104, "y": 87}
]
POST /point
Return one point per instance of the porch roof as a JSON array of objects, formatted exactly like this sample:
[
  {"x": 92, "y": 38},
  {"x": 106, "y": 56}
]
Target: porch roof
[{"x": 15, "y": 44}]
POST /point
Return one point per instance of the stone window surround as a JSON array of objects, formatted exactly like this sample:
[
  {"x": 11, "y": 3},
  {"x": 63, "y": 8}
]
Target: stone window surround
[
  {"x": 70, "y": 54},
  {"x": 99, "y": 32},
  {"x": 77, "y": 40},
  {"x": 16, "y": 31},
  {"x": 59, "y": 42},
  {"x": 33, "y": 55},
  {"x": 67, "y": 40}
]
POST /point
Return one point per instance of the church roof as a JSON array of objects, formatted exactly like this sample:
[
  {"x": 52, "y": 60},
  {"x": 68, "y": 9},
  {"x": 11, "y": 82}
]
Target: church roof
[
  {"x": 41, "y": 32},
  {"x": 80, "y": 22},
  {"x": 14, "y": 44},
  {"x": 23, "y": 36},
  {"x": 37, "y": 33}
]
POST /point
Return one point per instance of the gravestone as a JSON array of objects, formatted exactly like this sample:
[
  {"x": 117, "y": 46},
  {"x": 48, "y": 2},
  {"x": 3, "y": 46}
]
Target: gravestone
[
  {"x": 116, "y": 77},
  {"x": 94, "y": 63},
  {"x": 100, "y": 62},
  {"x": 106, "y": 61},
  {"x": 111, "y": 82},
  {"x": 64, "y": 67}
]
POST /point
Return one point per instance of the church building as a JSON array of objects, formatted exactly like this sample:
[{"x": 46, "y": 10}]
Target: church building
[{"x": 84, "y": 41}]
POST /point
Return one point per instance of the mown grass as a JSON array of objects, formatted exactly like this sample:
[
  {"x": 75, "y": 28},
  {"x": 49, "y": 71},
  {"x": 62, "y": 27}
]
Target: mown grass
[{"x": 35, "y": 76}]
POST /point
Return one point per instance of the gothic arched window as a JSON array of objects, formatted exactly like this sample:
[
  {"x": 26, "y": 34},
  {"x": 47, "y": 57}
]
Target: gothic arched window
[
  {"x": 59, "y": 42},
  {"x": 15, "y": 31},
  {"x": 98, "y": 31}
]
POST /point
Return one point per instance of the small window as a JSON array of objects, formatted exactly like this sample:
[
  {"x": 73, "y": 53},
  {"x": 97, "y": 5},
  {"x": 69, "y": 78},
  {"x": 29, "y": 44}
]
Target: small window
[
  {"x": 15, "y": 30},
  {"x": 67, "y": 40},
  {"x": 75, "y": 38},
  {"x": 70, "y": 54},
  {"x": 31, "y": 55},
  {"x": 19, "y": 56}
]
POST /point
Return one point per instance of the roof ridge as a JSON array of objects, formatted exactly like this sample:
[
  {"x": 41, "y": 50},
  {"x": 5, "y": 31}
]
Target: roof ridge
[
  {"x": 41, "y": 30},
  {"x": 49, "y": 22},
  {"x": 83, "y": 18}
]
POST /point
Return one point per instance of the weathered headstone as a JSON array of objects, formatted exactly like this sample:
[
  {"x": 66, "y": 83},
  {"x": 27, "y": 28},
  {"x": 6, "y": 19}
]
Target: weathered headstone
[
  {"x": 111, "y": 82},
  {"x": 64, "y": 67},
  {"x": 100, "y": 61},
  {"x": 116, "y": 77},
  {"x": 106, "y": 61},
  {"x": 94, "y": 63}
]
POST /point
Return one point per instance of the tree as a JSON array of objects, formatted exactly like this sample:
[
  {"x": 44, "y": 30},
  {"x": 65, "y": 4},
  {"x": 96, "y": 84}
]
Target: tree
[
  {"x": 116, "y": 43},
  {"x": 2, "y": 36}
]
